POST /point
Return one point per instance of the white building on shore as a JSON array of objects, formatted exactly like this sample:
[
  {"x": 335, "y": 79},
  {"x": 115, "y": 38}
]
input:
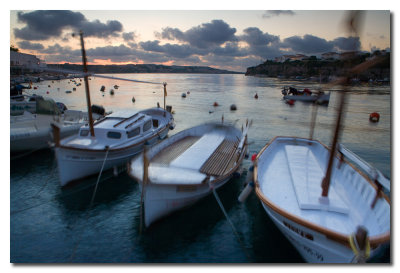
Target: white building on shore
[{"x": 25, "y": 61}]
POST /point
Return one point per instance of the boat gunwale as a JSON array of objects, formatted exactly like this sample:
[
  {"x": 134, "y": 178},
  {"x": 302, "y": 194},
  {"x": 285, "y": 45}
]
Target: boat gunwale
[
  {"x": 219, "y": 178},
  {"x": 341, "y": 238}
]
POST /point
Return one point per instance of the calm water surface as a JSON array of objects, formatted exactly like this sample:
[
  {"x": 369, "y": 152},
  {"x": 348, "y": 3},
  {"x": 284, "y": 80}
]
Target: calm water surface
[{"x": 54, "y": 224}]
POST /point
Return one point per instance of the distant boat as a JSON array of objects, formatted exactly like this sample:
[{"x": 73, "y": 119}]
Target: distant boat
[
  {"x": 187, "y": 166},
  {"x": 30, "y": 132},
  {"x": 306, "y": 95},
  {"x": 288, "y": 174},
  {"x": 117, "y": 138}
]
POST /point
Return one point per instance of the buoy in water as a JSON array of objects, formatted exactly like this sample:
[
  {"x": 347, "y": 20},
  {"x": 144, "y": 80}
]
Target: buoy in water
[
  {"x": 233, "y": 107},
  {"x": 215, "y": 104},
  {"x": 74, "y": 89},
  {"x": 102, "y": 88},
  {"x": 290, "y": 102},
  {"x": 188, "y": 92},
  {"x": 374, "y": 117},
  {"x": 68, "y": 91},
  {"x": 34, "y": 87},
  {"x": 256, "y": 96},
  {"x": 48, "y": 85},
  {"x": 183, "y": 95},
  {"x": 112, "y": 92},
  {"x": 47, "y": 92},
  {"x": 133, "y": 99}
]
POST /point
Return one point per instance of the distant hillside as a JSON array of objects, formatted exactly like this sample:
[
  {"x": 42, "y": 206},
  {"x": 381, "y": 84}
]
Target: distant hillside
[
  {"x": 143, "y": 68},
  {"x": 325, "y": 69}
]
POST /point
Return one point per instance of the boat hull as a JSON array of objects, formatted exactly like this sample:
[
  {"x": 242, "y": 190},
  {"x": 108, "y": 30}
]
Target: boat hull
[
  {"x": 21, "y": 141},
  {"x": 162, "y": 200},
  {"x": 288, "y": 179},
  {"x": 318, "y": 250},
  {"x": 74, "y": 164}
]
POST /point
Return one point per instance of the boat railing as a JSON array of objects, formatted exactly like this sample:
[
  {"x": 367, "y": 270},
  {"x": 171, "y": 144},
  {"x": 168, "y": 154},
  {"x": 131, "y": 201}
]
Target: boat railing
[{"x": 365, "y": 167}]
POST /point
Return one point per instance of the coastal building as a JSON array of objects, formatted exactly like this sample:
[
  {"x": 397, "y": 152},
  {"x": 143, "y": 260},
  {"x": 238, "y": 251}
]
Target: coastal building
[
  {"x": 330, "y": 56},
  {"x": 297, "y": 57},
  {"x": 23, "y": 61}
]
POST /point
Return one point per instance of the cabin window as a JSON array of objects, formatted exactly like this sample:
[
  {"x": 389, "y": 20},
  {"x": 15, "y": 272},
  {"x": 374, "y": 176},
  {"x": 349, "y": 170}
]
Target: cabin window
[
  {"x": 84, "y": 132},
  {"x": 115, "y": 135},
  {"x": 147, "y": 126},
  {"x": 155, "y": 123},
  {"x": 134, "y": 132}
]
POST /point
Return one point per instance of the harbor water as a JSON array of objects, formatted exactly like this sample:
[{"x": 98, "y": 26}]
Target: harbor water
[{"x": 50, "y": 224}]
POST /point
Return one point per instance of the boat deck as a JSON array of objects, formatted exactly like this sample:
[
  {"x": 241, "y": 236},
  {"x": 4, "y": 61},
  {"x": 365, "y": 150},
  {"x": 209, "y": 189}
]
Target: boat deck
[
  {"x": 219, "y": 161},
  {"x": 174, "y": 150}
]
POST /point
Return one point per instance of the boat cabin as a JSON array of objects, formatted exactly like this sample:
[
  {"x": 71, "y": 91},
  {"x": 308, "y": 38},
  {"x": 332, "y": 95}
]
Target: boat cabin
[{"x": 117, "y": 129}]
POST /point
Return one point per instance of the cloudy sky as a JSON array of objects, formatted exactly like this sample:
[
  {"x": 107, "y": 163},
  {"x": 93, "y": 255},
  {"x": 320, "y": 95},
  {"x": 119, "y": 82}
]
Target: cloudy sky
[{"x": 233, "y": 40}]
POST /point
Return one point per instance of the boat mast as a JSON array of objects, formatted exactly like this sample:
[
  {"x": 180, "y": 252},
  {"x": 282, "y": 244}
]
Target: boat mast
[
  {"x": 85, "y": 70},
  {"x": 353, "y": 27},
  {"x": 327, "y": 179}
]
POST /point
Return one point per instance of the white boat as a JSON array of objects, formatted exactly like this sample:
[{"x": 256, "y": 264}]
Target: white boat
[
  {"x": 20, "y": 104},
  {"x": 306, "y": 96},
  {"x": 30, "y": 132},
  {"x": 117, "y": 138},
  {"x": 187, "y": 166},
  {"x": 288, "y": 174}
]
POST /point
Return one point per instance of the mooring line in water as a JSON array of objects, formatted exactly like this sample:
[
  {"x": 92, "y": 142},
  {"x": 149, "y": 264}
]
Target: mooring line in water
[
  {"x": 230, "y": 222},
  {"x": 91, "y": 201}
]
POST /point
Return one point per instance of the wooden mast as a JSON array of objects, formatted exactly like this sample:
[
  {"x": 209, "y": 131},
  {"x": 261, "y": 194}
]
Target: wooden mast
[
  {"x": 85, "y": 70},
  {"x": 353, "y": 25}
]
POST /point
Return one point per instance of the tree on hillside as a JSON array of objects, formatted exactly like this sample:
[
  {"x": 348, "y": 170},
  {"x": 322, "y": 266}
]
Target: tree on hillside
[{"x": 13, "y": 48}]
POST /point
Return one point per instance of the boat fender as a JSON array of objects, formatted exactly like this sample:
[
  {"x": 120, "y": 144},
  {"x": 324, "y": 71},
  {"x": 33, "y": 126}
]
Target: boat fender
[
  {"x": 246, "y": 192},
  {"x": 374, "y": 117},
  {"x": 360, "y": 245}
]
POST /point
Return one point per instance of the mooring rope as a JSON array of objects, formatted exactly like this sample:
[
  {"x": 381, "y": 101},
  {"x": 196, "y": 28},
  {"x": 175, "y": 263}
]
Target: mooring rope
[
  {"x": 91, "y": 202},
  {"x": 230, "y": 222}
]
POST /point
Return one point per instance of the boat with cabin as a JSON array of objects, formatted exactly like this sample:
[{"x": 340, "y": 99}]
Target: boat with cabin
[
  {"x": 187, "y": 167},
  {"x": 115, "y": 139}
]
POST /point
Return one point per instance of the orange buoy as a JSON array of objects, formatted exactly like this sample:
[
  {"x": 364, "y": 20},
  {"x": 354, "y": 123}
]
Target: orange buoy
[
  {"x": 215, "y": 104},
  {"x": 374, "y": 117},
  {"x": 256, "y": 96}
]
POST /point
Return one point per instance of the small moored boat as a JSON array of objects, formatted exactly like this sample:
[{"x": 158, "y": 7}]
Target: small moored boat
[
  {"x": 187, "y": 166},
  {"x": 117, "y": 138},
  {"x": 288, "y": 174}
]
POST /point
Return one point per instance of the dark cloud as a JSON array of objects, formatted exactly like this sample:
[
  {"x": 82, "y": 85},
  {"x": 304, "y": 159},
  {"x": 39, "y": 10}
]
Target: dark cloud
[
  {"x": 169, "y": 33},
  {"x": 172, "y": 50},
  {"x": 272, "y": 13},
  {"x": 128, "y": 36},
  {"x": 230, "y": 49},
  {"x": 30, "y": 46},
  {"x": 206, "y": 35},
  {"x": 308, "y": 44},
  {"x": 255, "y": 37},
  {"x": 347, "y": 44},
  {"x": 47, "y": 24}
]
